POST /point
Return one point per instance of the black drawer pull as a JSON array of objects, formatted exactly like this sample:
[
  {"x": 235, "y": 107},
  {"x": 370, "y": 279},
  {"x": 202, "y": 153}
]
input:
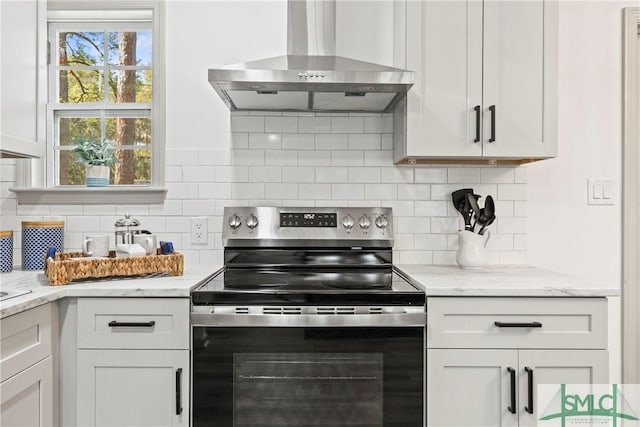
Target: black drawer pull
[
  {"x": 529, "y": 407},
  {"x": 512, "y": 406},
  {"x": 492, "y": 109},
  {"x": 477, "y": 110},
  {"x": 518, "y": 325},
  {"x": 149, "y": 324},
  {"x": 178, "y": 391}
]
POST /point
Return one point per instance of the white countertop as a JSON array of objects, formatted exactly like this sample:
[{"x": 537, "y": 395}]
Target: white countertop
[
  {"x": 42, "y": 292},
  {"x": 503, "y": 281},
  {"x": 436, "y": 280}
]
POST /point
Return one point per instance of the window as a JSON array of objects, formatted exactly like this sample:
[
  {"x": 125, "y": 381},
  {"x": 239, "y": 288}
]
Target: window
[
  {"x": 101, "y": 86},
  {"x": 104, "y": 79}
]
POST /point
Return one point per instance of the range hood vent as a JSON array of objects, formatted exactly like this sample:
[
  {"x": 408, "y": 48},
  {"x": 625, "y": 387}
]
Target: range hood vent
[{"x": 311, "y": 77}]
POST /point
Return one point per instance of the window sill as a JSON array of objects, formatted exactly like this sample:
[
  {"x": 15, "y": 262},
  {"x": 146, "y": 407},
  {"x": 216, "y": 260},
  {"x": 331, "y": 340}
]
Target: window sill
[{"x": 90, "y": 195}]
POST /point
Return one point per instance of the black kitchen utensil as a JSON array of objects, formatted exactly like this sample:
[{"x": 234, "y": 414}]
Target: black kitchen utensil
[
  {"x": 489, "y": 214},
  {"x": 458, "y": 197},
  {"x": 489, "y": 222},
  {"x": 474, "y": 208}
]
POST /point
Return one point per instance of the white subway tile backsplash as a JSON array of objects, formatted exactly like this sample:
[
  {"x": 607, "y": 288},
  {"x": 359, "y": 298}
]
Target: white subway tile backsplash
[
  {"x": 462, "y": 175},
  {"x": 431, "y": 208},
  {"x": 265, "y": 174},
  {"x": 329, "y": 141},
  {"x": 305, "y": 159},
  {"x": 267, "y": 141},
  {"x": 413, "y": 191},
  {"x": 281, "y": 124},
  {"x": 247, "y": 123},
  {"x": 300, "y": 174},
  {"x": 314, "y": 158},
  {"x": 298, "y": 141},
  {"x": 364, "y": 141},
  {"x": 430, "y": 175},
  {"x": 315, "y": 191},
  {"x": 347, "y": 124},
  {"x": 332, "y": 174},
  {"x": 380, "y": 191},
  {"x": 381, "y": 124},
  {"x": 347, "y": 158},
  {"x": 254, "y": 190},
  {"x": 314, "y": 124},
  {"x": 281, "y": 191},
  {"x": 281, "y": 157},
  {"x": 364, "y": 175},
  {"x": 347, "y": 191}
]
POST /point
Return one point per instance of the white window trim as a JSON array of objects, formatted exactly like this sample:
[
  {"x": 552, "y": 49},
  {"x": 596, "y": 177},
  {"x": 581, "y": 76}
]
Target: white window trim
[{"x": 31, "y": 186}]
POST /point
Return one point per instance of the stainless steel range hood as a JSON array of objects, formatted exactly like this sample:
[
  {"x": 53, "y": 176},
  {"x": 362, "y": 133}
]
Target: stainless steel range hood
[{"x": 311, "y": 77}]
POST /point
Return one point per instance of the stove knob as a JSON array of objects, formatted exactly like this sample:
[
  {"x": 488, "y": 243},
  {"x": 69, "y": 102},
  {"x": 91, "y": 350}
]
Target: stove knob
[
  {"x": 382, "y": 222},
  {"x": 364, "y": 222},
  {"x": 235, "y": 221},
  {"x": 252, "y": 221},
  {"x": 348, "y": 222}
]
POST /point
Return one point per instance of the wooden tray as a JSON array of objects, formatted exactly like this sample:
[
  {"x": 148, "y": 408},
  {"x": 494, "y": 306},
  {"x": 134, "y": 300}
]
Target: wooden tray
[{"x": 69, "y": 266}]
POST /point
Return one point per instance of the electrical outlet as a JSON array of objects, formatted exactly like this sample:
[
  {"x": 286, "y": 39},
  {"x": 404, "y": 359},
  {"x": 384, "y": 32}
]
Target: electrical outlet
[{"x": 199, "y": 230}]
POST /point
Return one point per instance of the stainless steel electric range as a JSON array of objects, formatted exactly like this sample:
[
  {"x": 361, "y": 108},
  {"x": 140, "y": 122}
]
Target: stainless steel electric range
[{"x": 308, "y": 324}]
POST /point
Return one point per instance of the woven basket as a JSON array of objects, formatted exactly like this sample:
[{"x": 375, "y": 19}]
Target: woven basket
[{"x": 63, "y": 270}]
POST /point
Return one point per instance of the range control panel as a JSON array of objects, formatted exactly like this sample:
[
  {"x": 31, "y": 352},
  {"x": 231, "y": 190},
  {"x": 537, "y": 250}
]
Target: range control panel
[
  {"x": 308, "y": 219},
  {"x": 312, "y": 224}
]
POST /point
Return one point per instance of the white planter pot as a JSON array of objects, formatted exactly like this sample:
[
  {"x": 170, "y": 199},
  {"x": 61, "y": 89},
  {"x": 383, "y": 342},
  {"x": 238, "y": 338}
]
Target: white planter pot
[{"x": 97, "y": 176}]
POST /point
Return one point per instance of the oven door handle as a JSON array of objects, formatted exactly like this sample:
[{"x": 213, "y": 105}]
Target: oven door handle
[{"x": 417, "y": 319}]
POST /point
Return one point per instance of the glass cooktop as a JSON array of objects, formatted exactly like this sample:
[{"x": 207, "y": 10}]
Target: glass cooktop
[{"x": 304, "y": 286}]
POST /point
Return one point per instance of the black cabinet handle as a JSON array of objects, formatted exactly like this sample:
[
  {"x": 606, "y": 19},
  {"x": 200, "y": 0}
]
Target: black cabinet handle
[
  {"x": 493, "y": 123},
  {"x": 477, "y": 110},
  {"x": 518, "y": 324},
  {"x": 529, "y": 407},
  {"x": 178, "y": 391},
  {"x": 115, "y": 324},
  {"x": 512, "y": 407}
]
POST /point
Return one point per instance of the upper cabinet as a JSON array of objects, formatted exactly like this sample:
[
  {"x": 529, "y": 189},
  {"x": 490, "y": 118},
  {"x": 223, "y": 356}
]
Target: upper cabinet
[
  {"x": 23, "y": 77},
  {"x": 485, "y": 81}
]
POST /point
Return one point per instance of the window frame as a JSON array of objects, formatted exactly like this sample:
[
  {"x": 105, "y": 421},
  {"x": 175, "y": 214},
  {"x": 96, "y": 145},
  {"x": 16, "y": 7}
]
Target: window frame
[{"x": 35, "y": 178}]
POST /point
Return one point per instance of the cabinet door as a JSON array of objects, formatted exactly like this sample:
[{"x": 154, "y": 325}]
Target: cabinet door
[
  {"x": 519, "y": 78},
  {"x": 557, "y": 367},
  {"x": 470, "y": 387},
  {"x": 26, "y": 399},
  {"x": 133, "y": 388},
  {"x": 23, "y": 59},
  {"x": 444, "y": 50}
]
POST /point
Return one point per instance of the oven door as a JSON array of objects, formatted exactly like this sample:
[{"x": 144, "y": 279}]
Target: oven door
[{"x": 308, "y": 376}]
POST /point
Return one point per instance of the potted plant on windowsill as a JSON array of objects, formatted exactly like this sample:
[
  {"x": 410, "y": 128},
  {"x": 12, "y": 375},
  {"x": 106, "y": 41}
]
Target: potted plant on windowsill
[{"x": 97, "y": 155}]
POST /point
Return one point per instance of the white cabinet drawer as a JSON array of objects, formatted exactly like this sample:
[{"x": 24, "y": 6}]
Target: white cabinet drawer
[
  {"x": 482, "y": 322},
  {"x": 25, "y": 339},
  {"x": 133, "y": 323}
]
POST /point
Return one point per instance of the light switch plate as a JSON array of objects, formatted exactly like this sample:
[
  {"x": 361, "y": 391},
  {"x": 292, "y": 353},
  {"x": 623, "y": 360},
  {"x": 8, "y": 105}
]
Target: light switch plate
[{"x": 601, "y": 191}]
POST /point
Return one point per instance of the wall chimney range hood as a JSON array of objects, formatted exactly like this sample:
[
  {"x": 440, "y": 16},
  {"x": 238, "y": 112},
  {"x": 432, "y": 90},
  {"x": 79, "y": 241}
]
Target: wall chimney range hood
[{"x": 311, "y": 77}]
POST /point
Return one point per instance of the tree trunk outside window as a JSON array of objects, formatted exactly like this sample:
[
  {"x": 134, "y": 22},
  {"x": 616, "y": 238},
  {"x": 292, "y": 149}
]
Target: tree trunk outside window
[
  {"x": 66, "y": 158},
  {"x": 125, "y": 127}
]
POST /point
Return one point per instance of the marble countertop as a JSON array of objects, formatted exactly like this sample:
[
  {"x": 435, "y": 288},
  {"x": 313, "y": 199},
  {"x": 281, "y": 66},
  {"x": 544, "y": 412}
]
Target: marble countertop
[
  {"x": 502, "y": 281},
  {"x": 41, "y": 292},
  {"x": 436, "y": 280}
]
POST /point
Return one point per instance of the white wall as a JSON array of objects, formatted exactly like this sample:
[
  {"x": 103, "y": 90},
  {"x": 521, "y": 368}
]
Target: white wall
[{"x": 565, "y": 234}]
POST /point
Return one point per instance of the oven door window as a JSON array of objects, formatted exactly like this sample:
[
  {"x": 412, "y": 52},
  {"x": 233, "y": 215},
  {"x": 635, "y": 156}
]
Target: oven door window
[
  {"x": 308, "y": 389},
  {"x": 330, "y": 377}
]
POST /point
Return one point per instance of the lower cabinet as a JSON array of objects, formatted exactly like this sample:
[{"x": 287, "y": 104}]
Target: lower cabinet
[
  {"x": 491, "y": 387},
  {"x": 26, "y": 399},
  {"x": 133, "y": 388},
  {"x": 486, "y": 356}
]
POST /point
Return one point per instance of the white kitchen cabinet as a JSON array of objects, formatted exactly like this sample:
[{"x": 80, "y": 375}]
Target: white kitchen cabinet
[
  {"x": 133, "y": 362},
  {"x": 26, "y": 399},
  {"x": 133, "y": 388},
  {"x": 27, "y": 368},
  {"x": 485, "y": 81},
  {"x": 23, "y": 77},
  {"x": 471, "y": 361}
]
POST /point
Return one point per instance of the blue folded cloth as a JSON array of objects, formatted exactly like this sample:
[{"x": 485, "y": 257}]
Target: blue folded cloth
[{"x": 166, "y": 247}]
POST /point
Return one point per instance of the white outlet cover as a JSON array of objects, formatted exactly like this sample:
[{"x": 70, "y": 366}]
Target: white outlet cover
[{"x": 199, "y": 231}]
